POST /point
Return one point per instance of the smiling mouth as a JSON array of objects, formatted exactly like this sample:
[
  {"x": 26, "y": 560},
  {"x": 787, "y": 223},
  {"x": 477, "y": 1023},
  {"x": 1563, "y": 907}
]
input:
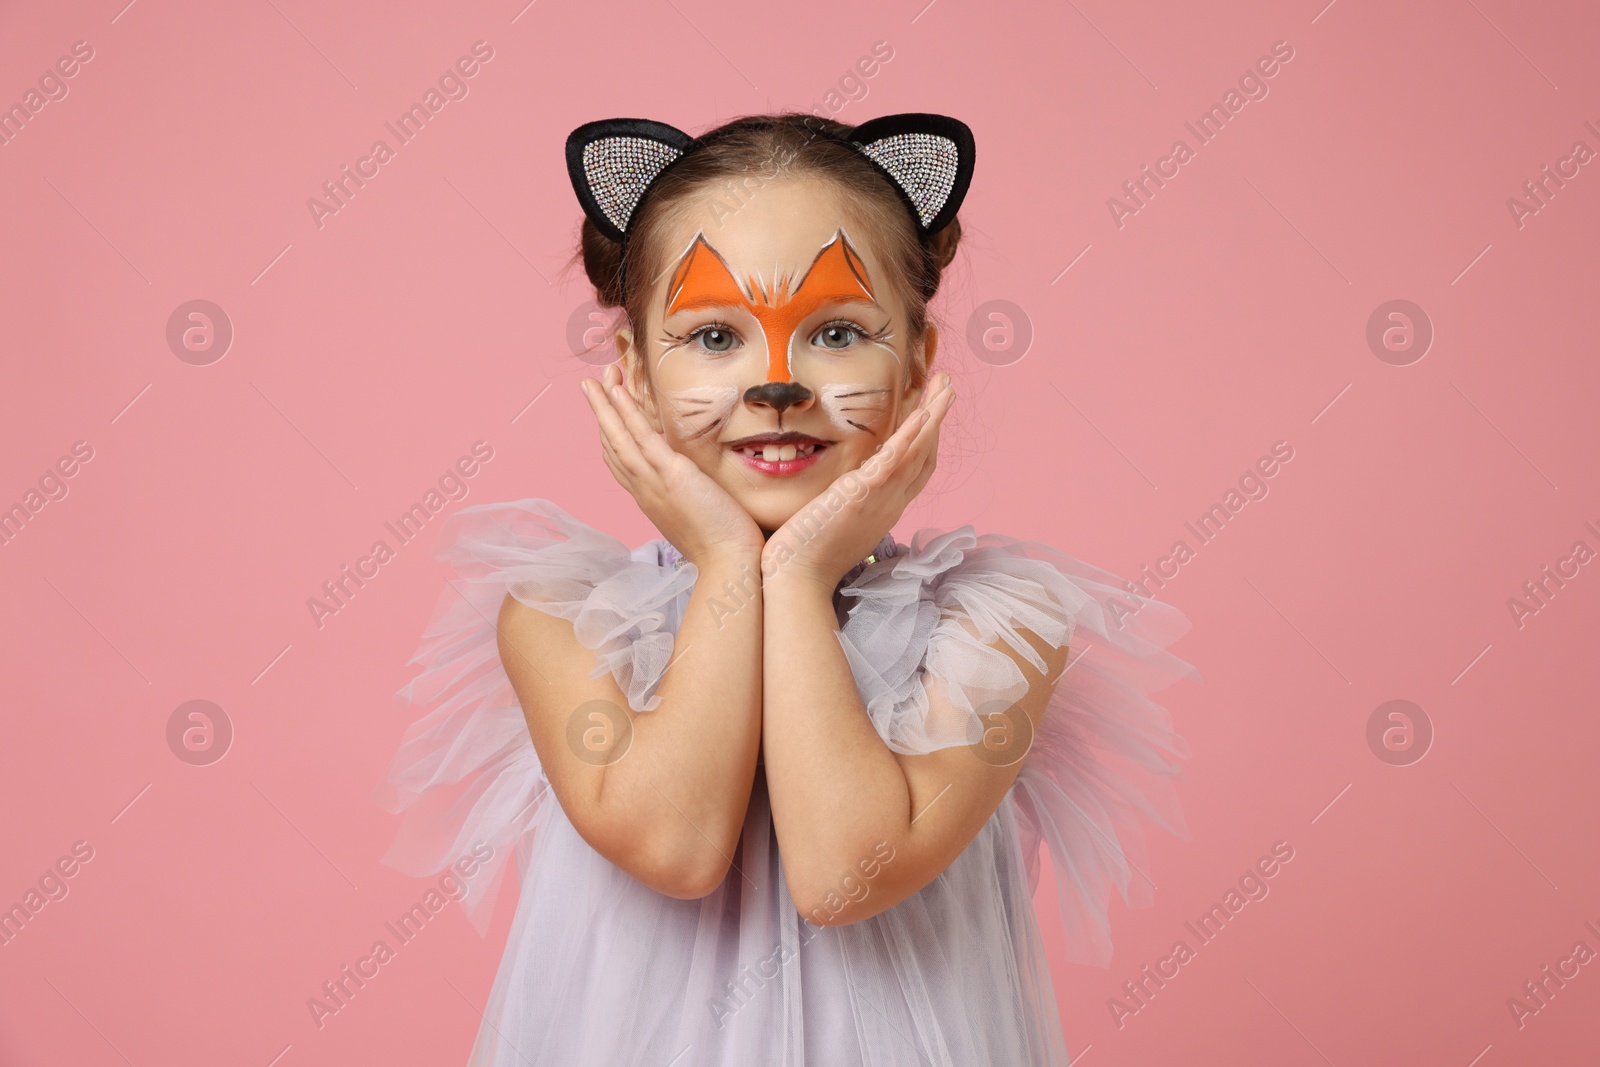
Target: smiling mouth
[
  {"x": 778, "y": 447},
  {"x": 778, "y": 454}
]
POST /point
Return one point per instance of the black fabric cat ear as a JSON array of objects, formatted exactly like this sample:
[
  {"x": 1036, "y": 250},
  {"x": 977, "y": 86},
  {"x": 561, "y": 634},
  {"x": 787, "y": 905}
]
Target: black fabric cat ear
[
  {"x": 613, "y": 161},
  {"x": 928, "y": 157}
]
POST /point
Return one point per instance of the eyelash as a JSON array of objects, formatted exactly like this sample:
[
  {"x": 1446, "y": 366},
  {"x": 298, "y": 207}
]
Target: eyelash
[{"x": 862, "y": 333}]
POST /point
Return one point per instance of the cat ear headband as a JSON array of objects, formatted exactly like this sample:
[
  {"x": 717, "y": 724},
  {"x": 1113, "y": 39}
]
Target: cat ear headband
[{"x": 926, "y": 158}]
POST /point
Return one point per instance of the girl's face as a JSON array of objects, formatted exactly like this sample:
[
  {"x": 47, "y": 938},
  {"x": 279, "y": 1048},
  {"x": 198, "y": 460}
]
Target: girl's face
[{"x": 774, "y": 352}]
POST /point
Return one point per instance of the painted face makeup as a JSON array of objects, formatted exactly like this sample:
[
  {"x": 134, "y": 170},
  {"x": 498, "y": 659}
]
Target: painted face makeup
[
  {"x": 837, "y": 275},
  {"x": 776, "y": 359},
  {"x": 847, "y": 368}
]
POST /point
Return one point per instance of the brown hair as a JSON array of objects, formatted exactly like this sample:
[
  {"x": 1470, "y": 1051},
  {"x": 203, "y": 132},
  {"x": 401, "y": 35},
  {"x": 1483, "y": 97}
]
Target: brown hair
[{"x": 762, "y": 148}]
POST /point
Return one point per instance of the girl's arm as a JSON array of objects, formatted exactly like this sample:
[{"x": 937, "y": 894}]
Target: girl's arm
[
  {"x": 849, "y": 811},
  {"x": 661, "y": 794}
]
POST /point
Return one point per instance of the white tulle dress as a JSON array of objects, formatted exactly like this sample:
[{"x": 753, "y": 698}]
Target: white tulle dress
[{"x": 601, "y": 970}]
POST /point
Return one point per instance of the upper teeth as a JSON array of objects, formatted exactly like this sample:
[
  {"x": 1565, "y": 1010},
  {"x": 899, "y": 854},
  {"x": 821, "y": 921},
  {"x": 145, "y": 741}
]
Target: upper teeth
[{"x": 774, "y": 453}]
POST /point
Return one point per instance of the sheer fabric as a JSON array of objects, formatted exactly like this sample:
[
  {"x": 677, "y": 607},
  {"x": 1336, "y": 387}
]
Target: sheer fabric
[{"x": 600, "y": 969}]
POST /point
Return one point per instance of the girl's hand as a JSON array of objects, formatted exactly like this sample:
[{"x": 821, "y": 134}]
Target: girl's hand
[
  {"x": 836, "y": 530},
  {"x": 693, "y": 512}
]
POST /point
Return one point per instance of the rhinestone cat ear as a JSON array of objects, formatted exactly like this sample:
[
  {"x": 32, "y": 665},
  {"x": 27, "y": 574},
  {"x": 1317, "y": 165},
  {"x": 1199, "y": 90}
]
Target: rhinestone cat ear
[
  {"x": 927, "y": 157},
  {"x": 613, "y": 161}
]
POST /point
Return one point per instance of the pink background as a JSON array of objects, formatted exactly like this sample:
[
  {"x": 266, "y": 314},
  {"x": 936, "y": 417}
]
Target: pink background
[{"x": 1228, "y": 314}]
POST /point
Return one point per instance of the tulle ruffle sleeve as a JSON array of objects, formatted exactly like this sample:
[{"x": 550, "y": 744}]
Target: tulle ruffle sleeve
[
  {"x": 466, "y": 773},
  {"x": 1105, "y": 754}
]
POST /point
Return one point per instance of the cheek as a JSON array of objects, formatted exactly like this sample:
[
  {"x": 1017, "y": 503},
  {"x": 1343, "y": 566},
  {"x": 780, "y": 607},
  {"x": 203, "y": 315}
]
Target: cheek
[
  {"x": 857, "y": 394},
  {"x": 698, "y": 411},
  {"x": 860, "y": 407}
]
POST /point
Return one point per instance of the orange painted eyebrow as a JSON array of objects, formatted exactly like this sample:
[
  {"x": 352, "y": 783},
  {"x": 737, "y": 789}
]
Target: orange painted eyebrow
[
  {"x": 703, "y": 279},
  {"x": 822, "y": 296},
  {"x": 837, "y": 274}
]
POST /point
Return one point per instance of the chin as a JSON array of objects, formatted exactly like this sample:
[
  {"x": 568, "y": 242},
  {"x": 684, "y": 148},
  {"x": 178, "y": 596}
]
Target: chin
[
  {"x": 772, "y": 509},
  {"x": 772, "y": 500}
]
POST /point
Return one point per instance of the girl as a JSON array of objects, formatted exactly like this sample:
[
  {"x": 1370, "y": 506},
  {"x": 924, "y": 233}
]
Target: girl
[{"x": 775, "y": 781}]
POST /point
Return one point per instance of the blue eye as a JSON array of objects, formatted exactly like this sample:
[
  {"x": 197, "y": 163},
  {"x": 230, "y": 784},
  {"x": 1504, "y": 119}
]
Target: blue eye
[
  {"x": 714, "y": 337},
  {"x": 837, "y": 335}
]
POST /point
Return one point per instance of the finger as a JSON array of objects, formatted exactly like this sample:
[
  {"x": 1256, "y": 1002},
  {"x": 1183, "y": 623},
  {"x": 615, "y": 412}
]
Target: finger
[
  {"x": 922, "y": 451},
  {"x": 921, "y": 481},
  {"x": 623, "y": 478},
  {"x": 910, "y": 441},
  {"x": 652, "y": 445},
  {"x": 878, "y": 467},
  {"x": 928, "y": 436},
  {"x": 896, "y": 450},
  {"x": 609, "y": 454},
  {"x": 914, "y": 457},
  {"x": 612, "y": 428},
  {"x": 929, "y": 464},
  {"x": 632, "y": 417},
  {"x": 605, "y": 416},
  {"x": 608, "y": 451},
  {"x": 928, "y": 439},
  {"x": 937, "y": 386},
  {"x": 938, "y": 405},
  {"x": 893, "y": 449}
]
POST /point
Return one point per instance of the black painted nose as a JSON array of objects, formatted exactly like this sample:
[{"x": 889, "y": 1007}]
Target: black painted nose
[{"x": 777, "y": 395}]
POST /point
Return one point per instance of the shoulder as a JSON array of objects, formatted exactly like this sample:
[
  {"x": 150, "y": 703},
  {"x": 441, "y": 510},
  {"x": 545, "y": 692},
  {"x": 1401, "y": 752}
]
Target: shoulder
[
  {"x": 544, "y": 554},
  {"x": 539, "y": 650},
  {"x": 524, "y": 625},
  {"x": 991, "y": 577},
  {"x": 983, "y": 580},
  {"x": 566, "y": 592},
  {"x": 934, "y": 557},
  {"x": 986, "y": 619}
]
